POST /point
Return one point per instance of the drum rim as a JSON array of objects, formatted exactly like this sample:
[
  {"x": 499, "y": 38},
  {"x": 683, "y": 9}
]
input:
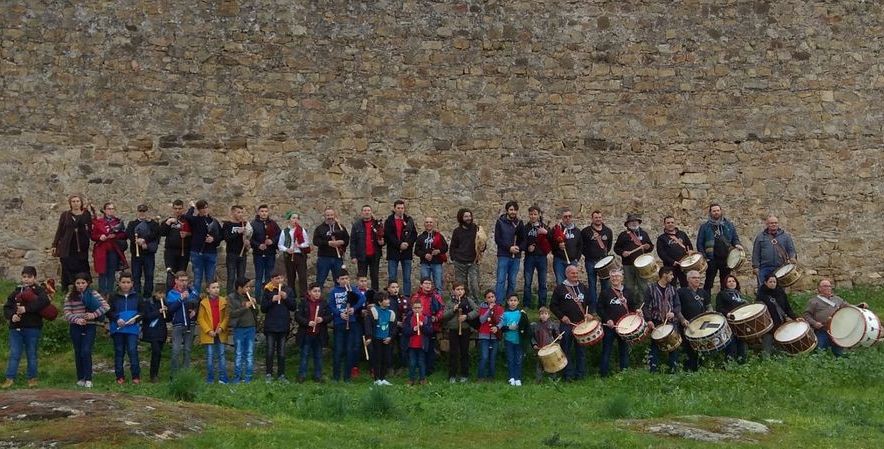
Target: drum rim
[
  {"x": 597, "y": 266},
  {"x": 791, "y": 324},
  {"x": 698, "y": 257},
  {"x": 780, "y": 276},
  {"x": 761, "y": 308},
  {"x": 861, "y": 334},
  {"x": 661, "y": 327},
  {"x": 689, "y": 329},
  {"x": 551, "y": 345},
  {"x": 628, "y": 315}
]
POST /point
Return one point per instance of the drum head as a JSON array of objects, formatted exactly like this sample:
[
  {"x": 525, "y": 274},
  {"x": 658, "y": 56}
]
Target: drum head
[
  {"x": 604, "y": 261},
  {"x": 734, "y": 257},
  {"x": 661, "y": 332},
  {"x": 644, "y": 260},
  {"x": 583, "y": 328},
  {"x": 549, "y": 349},
  {"x": 748, "y": 311},
  {"x": 791, "y": 331},
  {"x": 629, "y": 323},
  {"x": 689, "y": 260},
  {"x": 847, "y": 326},
  {"x": 784, "y": 270},
  {"x": 706, "y": 324}
]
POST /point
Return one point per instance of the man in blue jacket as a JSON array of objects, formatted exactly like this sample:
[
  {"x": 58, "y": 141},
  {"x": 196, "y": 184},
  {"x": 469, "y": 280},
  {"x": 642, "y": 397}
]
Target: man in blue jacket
[
  {"x": 772, "y": 249},
  {"x": 345, "y": 302},
  {"x": 182, "y": 301},
  {"x": 715, "y": 238},
  {"x": 509, "y": 235}
]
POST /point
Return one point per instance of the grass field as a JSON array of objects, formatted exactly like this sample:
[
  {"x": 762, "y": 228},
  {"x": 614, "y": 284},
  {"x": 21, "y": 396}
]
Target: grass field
[{"x": 816, "y": 401}]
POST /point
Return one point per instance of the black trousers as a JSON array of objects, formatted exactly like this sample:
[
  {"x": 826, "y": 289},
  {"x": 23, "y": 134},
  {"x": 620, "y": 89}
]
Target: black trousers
[
  {"x": 71, "y": 266},
  {"x": 296, "y": 272},
  {"x": 156, "y": 354},
  {"x": 173, "y": 259},
  {"x": 713, "y": 268},
  {"x": 459, "y": 353},
  {"x": 369, "y": 268},
  {"x": 381, "y": 358},
  {"x": 275, "y": 346}
]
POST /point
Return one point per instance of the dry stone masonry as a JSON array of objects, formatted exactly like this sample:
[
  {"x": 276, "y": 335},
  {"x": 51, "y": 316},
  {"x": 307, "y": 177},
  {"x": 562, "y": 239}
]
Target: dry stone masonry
[{"x": 656, "y": 107}]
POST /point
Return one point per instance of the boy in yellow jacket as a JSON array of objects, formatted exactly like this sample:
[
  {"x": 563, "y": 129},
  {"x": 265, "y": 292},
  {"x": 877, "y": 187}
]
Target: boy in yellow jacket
[{"x": 212, "y": 318}]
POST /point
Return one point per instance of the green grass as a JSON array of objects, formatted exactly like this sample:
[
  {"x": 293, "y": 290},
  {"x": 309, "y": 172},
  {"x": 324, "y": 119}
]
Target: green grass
[{"x": 822, "y": 402}]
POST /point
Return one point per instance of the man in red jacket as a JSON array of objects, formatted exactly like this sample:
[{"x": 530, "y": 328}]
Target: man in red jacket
[{"x": 538, "y": 247}]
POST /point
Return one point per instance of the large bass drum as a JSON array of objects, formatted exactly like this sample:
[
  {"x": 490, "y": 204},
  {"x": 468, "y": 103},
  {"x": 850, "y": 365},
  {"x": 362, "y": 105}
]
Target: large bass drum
[{"x": 708, "y": 332}]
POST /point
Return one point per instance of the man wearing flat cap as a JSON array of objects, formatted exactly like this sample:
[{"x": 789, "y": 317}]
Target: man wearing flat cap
[{"x": 631, "y": 243}]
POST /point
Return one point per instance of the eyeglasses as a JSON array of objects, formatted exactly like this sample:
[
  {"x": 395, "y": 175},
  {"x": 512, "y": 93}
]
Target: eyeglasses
[{"x": 567, "y": 216}]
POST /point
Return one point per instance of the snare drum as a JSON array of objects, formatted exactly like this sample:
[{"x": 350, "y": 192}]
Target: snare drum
[
  {"x": 605, "y": 265},
  {"x": 646, "y": 266},
  {"x": 750, "y": 321},
  {"x": 667, "y": 337},
  {"x": 589, "y": 332},
  {"x": 787, "y": 275},
  {"x": 693, "y": 262},
  {"x": 795, "y": 337},
  {"x": 632, "y": 328},
  {"x": 735, "y": 258},
  {"x": 708, "y": 332},
  {"x": 552, "y": 358},
  {"x": 852, "y": 327}
]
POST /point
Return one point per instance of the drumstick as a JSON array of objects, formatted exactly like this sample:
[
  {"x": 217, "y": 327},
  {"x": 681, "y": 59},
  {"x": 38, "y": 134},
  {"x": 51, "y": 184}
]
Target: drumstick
[
  {"x": 365, "y": 347},
  {"x": 418, "y": 325},
  {"x": 163, "y": 307},
  {"x": 279, "y": 293},
  {"x": 315, "y": 317},
  {"x": 459, "y": 322},
  {"x": 137, "y": 246},
  {"x": 243, "y": 250},
  {"x": 557, "y": 338}
]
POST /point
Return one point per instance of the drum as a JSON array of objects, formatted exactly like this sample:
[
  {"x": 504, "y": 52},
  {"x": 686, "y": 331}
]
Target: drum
[
  {"x": 552, "y": 358},
  {"x": 735, "y": 258},
  {"x": 646, "y": 266},
  {"x": 795, "y": 337},
  {"x": 693, "y": 262},
  {"x": 667, "y": 338},
  {"x": 632, "y": 328},
  {"x": 787, "y": 275},
  {"x": 852, "y": 327},
  {"x": 605, "y": 265},
  {"x": 750, "y": 321},
  {"x": 708, "y": 332},
  {"x": 589, "y": 332}
]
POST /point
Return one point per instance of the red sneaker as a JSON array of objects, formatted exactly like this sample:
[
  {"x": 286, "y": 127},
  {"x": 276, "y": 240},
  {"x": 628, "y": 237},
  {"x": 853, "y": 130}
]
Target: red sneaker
[
  {"x": 136, "y": 380},
  {"x": 354, "y": 373},
  {"x": 121, "y": 381}
]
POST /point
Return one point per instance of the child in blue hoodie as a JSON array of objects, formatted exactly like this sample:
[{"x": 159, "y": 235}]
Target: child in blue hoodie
[
  {"x": 345, "y": 302},
  {"x": 514, "y": 325},
  {"x": 126, "y": 311}
]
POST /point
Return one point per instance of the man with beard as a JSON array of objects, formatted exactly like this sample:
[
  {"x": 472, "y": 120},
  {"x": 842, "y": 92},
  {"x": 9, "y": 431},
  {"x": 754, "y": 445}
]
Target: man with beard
[
  {"x": 463, "y": 253},
  {"x": 672, "y": 245},
  {"x": 144, "y": 238},
  {"x": 715, "y": 238},
  {"x": 508, "y": 235},
  {"x": 597, "y": 241},
  {"x": 567, "y": 244},
  {"x": 400, "y": 234},
  {"x": 176, "y": 254},
  {"x": 631, "y": 243},
  {"x": 537, "y": 246},
  {"x": 366, "y": 241},
  {"x": 331, "y": 239}
]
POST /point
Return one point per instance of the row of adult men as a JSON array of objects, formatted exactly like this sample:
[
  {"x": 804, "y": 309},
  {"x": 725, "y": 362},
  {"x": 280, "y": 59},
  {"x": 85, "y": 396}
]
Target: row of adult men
[{"x": 193, "y": 237}]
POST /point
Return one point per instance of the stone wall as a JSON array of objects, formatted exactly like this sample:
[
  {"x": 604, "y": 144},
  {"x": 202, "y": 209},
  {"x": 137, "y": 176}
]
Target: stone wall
[{"x": 650, "y": 106}]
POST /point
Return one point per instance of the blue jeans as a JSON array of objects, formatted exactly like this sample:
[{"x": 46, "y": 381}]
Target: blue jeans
[
  {"x": 487, "y": 356},
  {"x": 823, "y": 342},
  {"x": 608, "y": 347},
  {"x": 576, "y": 367},
  {"x": 433, "y": 271},
  {"x": 507, "y": 270},
  {"x": 203, "y": 268},
  {"x": 532, "y": 264},
  {"x": 671, "y": 360},
  {"x": 244, "y": 353},
  {"x": 417, "y": 364},
  {"x": 215, "y": 351},
  {"x": 559, "y": 266},
  {"x": 126, "y": 344},
  {"x": 345, "y": 342},
  {"x": 513, "y": 359},
  {"x": 263, "y": 269},
  {"x": 83, "y": 338},
  {"x": 393, "y": 274},
  {"x": 592, "y": 278},
  {"x": 106, "y": 280},
  {"x": 27, "y": 338},
  {"x": 310, "y": 348},
  {"x": 326, "y": 265},
  {"x": 144, "y": 265}
]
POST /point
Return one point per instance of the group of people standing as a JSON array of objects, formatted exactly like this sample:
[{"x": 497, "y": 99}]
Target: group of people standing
[{"x": 366, "y": 319}]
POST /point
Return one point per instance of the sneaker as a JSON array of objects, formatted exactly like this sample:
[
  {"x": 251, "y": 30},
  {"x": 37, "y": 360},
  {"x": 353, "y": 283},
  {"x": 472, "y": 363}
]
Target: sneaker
[
  {"x": 301, "y": 379},
  {"x": 154, "y": 379},
  {"x": 511, "y": 381},
  {"x": 81, "y": 383},
  {"x": 136, "y": 380},
  {"x": 452, "y": 380},
  {"x": 87, "y": 384},
  {"x": 32, "y": 383},
  {"x": 462, "y": 379},
  {"x": 386, "y": 382},
  {"x": 268, "y": 378},
  {"x": 378, "y": 382},
  {"x": 7, "y": 383},
  {"x": 222, "y": 382},
  {"x": 121, "y": 380},
  {"x": 517, "y": 383},
  {"x": 410, "y": 383},
  {"x": 354, "y": 372},
  {"x": 282, "y": 379},
  {"x": 423, "y": 381}
]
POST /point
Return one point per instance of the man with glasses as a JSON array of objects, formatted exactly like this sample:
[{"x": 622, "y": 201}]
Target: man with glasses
[{"x": 819, "y": 312}]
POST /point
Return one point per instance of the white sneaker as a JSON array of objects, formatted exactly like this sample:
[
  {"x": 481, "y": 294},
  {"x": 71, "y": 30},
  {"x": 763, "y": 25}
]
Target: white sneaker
[
  {"x": 81, "y": 383},
  {"x": 386, "y": 382},
  {"x": 87, "y": 384},
  {"x": 518, "y": 383},
  {"x": 379, "y": 382},
  {"x": 512, "y": 381}
]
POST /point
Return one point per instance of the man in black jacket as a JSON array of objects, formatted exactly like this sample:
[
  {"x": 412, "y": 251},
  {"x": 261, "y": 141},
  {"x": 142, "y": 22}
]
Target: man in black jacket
[
  {"x": 631, "y": 243},
  {"x": 144, "y": 239},
  {"x": 463, "y": 254},
  {"x": 331, "y": 240},
  {"x": 366, "y": 241},
  {"x": 672, "y": 245},
  {"x": 597, "y": 239},
  {"x": 205, "y": 238},
  {"x": 176, "y": 254},
  {"x": 265, "y": 234},
  {"x": 400, "y": 234},
  {"x": 236, "y": 232}
]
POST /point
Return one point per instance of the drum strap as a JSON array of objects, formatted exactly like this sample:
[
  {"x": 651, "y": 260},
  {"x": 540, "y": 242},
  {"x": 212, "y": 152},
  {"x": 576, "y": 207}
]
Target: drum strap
[
  {"x": 635, "y": 239},
  {"x": 623, "y": 301},
  {"x": 675, "y": 239},
  {"x": 597, "y": 236},
  {"x": 779, "y": 249},
  {"x": 826, "y": 300}
]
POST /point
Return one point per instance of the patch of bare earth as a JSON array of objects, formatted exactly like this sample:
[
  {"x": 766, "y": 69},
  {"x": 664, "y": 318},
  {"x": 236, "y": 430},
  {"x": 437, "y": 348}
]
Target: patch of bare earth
[{"x": 58, "y": 418}]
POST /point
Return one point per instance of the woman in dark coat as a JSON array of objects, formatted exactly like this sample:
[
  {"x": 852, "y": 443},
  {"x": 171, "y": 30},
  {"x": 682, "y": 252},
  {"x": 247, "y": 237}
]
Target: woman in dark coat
[{"x": 71, "y": 241}]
